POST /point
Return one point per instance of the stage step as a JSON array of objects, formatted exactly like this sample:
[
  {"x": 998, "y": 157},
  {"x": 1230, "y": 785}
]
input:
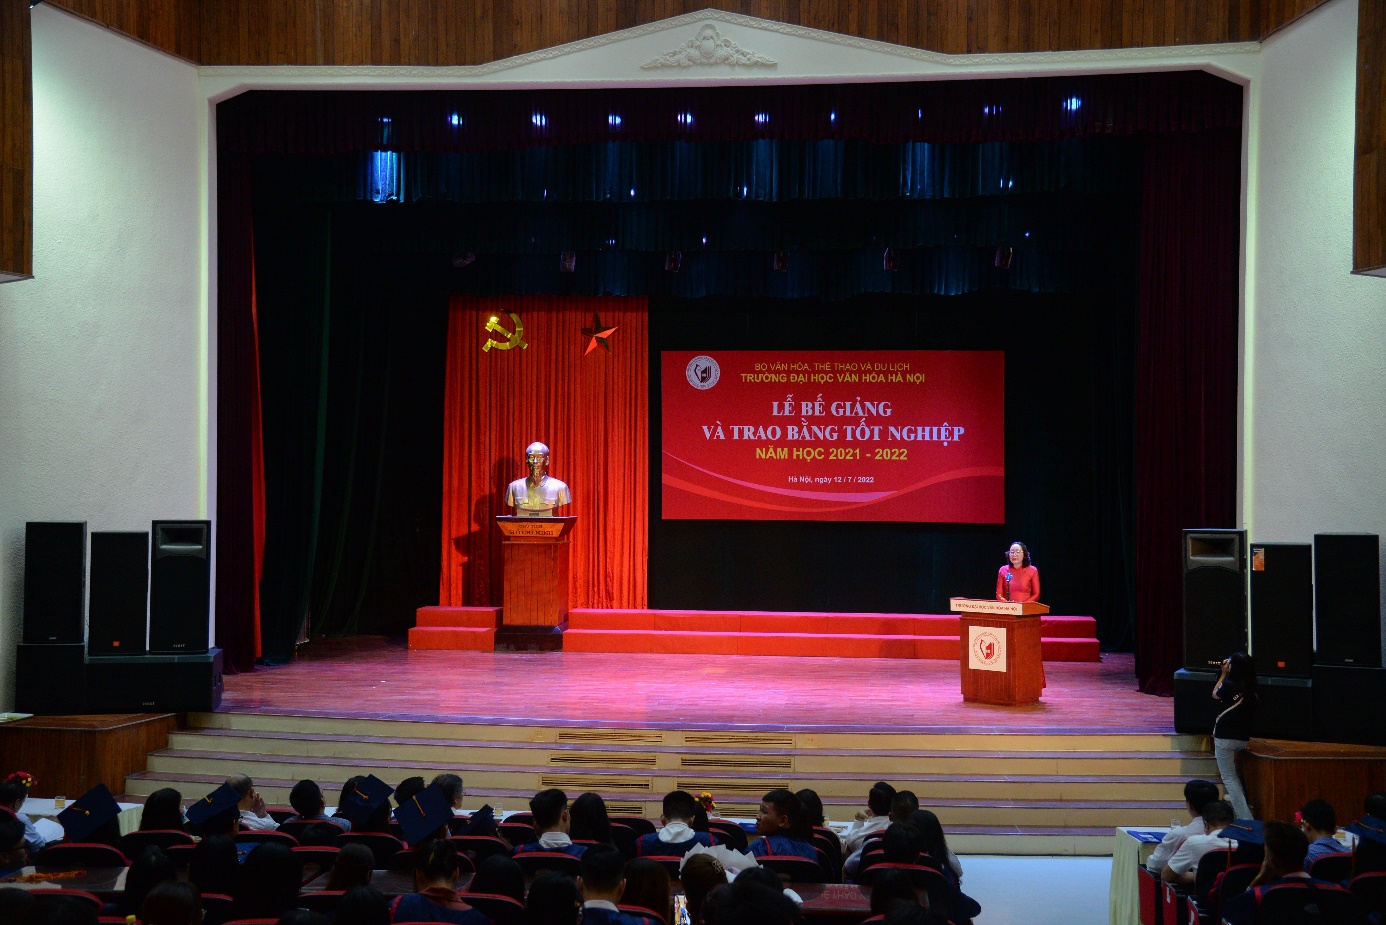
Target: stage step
[
  {"x": 707, "y": 632},
  {"x": 1025, "y": 793}
]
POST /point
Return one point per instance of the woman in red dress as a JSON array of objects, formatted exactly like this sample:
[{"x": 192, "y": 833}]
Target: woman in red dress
[{"x": 1018, "y": 580}]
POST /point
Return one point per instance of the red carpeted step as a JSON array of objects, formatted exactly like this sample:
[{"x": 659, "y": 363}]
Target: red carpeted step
[
  {"x": 1052, "y": 627},
  {"x": 1070, "y": 650},
  {"x": 453, "y": 637},
  {"x": 484, "y": 617}
]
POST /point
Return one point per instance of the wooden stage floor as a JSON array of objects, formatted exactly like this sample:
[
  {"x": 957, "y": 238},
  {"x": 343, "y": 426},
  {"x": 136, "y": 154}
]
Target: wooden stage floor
[{"x": 375, "y": 678}]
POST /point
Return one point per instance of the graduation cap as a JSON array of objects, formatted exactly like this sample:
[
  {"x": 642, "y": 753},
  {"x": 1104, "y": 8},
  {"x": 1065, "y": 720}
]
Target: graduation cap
[
  {"x": 365, "y": 797},
  {"x": 481, "y": 822},
  {"x": 220, "y": 802},
  {"x": 1245, "y": 831},
  {"x": 423, "y": 814},
  {"x": 1370, "y": 828},
  {"x": 88, "y": 813}
]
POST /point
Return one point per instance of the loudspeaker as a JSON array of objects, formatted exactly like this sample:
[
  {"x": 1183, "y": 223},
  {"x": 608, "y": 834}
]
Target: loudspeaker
[
  {"x": 50, "y": 678},
  {"x": 1347, "y": 599},
  {"x": 1282, "y": 608},
  {"x": 180, "y": 586},
  {"x": 1194, "y": 706},
  {"x": 55, "y": 581},
  {"x": 1347, "y": 705},
  {"x": 1285, "y": 708},
  {"x": 1214, "y": 596},
  {"x": 155, "y": 683},
  {"x": 117, "y": 614}
]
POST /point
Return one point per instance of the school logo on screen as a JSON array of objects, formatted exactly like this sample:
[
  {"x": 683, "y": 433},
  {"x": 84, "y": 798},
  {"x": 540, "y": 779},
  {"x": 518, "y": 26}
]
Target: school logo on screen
[{"x": 703, "y": 372}]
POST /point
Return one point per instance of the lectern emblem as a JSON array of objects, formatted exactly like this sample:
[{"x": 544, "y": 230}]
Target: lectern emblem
[
  {"x": 703, "y": 372},
  {"x": 986, "y": 649}
]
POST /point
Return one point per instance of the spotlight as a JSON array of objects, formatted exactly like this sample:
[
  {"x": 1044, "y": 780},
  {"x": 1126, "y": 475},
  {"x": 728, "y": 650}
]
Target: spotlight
[
  {"x": 567, "y": 262},
  {"x": 1004, "y": 255},
  {"x": 463, "y": 260},
  {"x": 673, "y": 261},
  {"x": 780, "y": 262},
  {"x": 890, "y": 261}
]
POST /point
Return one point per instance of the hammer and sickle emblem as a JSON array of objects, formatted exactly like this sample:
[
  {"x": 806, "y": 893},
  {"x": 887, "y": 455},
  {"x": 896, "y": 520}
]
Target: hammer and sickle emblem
[{"x": 517, "y": 339}]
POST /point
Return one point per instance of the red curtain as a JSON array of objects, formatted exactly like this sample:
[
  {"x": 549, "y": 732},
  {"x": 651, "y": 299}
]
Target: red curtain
[
  {"x": 1186, "y": 369},
  {"x": 591, "y": 408}
]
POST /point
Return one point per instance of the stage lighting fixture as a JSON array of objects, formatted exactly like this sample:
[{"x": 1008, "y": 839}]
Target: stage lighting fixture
[
  {"x": 781, "y": 261},
  {"x": 890, "y": 261},
  {"x": 673, "y": 262},
  {"x": 567, "y": 262},
  {"x": 463, "y": 260},
  {"x": 1004, "y": 255}
]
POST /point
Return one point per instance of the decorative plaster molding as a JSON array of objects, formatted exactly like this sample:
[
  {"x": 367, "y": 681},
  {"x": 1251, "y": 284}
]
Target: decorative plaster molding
[{"x": 708, "y": 49}]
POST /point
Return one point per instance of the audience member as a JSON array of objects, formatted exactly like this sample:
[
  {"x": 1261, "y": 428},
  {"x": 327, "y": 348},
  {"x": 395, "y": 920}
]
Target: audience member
[
  {"x": 874, "y": 819},
  {"x": 14, "y": 904},
  {"x": 407, "y": 788},
  {"x": 61, "y": 910},
  {"x": 750, "y": 901},
  {"x": 309, "y": 806},
  {"x": 218, "y": 813},
  {"x": 1369, "y": 852},
  {"x": 902, "y": 844},
  {"x": 320, "y": 834},
  {"x": 553, "y": 900},
  {"x": 215, "y": 866},
  {"x": 1320, "y": 826},
  {"x": 254, "y": 816},
  {"x": 552, "y": 821},
  {"x": 499, "y": 875},
  {"x": 676, "y": 836},
  {"x": 647, "y": 887},
  {"x": 603, "y": 884},
  {"x": 435, "y": 882},
  {"x": 352, "y": 868},
  {"x": 700, "y": 875},
  {"x": 14, "y": 790},
  {"x": 268, "y": 884},
  {"x": 892, "y": 887},
  {"x": 451, "y": 785},
  {"x": 780, "y": 823},
  {"x": 588, "y": 819},
  {"x": 163, "y": 809},
  {"x": 936, "y": 844},
  {"x": 1197, "y": 794},
  {"x": 905, "y": 802},
  {"x": 13, "y": 853},
  {"x": 1183, "y": 864},
  {"x": 148, "y": 868},
  {"x": 1283, "y": 864},
  {"x": 172, "y": 903},
  {"x": 365, "y": 803},
  {"x": 1235, "y": 690},
  {"x": 812, "y": 804},
  {"x": 363, "y": 905}
]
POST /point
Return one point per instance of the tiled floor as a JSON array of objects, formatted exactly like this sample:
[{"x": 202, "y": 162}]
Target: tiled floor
[
  {"x": 1039, "y": 891},
  {"x": 370, "y": 677}
]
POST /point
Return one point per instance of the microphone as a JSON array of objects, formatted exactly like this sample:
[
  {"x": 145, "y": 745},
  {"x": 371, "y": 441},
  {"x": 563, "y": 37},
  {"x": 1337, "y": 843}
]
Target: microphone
[{"x": 1008, "y": 586}]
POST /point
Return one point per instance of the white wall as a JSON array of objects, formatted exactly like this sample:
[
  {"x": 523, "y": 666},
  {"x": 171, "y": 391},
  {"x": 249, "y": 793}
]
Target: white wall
[
  {"x": 1317, "y": 396},
  {"x": 100, "y": 363}
]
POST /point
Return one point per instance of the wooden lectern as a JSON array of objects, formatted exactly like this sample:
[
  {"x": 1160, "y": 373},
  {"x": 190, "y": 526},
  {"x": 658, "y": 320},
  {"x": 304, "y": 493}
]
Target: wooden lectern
[
  {"x": 1001, "y": 661},
  {"x": 534, "y": 555}
]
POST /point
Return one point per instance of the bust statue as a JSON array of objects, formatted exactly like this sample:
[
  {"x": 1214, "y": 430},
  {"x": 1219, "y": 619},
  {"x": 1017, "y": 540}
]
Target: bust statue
[{"x": 537, "y": 494}]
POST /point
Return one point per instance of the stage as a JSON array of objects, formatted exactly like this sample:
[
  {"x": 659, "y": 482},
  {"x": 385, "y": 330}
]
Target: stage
[{"x": 1052, "y": 778}]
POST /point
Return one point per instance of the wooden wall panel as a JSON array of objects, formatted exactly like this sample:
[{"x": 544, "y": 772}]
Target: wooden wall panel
[
  {"x": 1369, "y": 187},
  {"x": 16, "y": 141},
  {"x": 170, "y": 25},
  {"x": 71, "y": 754}
]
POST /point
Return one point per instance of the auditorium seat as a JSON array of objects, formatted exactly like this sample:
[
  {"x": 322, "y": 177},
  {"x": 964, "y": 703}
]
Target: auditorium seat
[
  {"x": 77, "y": 855},
  {"x": 135, "y": 842},
  {"x": 1287, "y": 904},
  {"x": 1231, "y": 882},
  {"x": 669, "y": 862},
  {"x": 90, "y": 899},
  {"x": 382, "y": 846},
  {"x": 315, "y": 859},
  {"x": 1335, "y": 867},
  {"x": 272, "y": 838},
  {"x": 324, "y": 901},
  {"x": 624, "y": 837},
  {"x": 518, "y": 833},
  {"x": 638, "y": 824},
  {"x": 1370, "y": 887},
  {"x": 794, "y": 869},
  {"x": 728, "y": 833},
  {"x": 479, "y": 847},
  {"x": 216, "y": 908},
  {"x": 495, "y": 907},
  {"x": 534, "y": 863}
]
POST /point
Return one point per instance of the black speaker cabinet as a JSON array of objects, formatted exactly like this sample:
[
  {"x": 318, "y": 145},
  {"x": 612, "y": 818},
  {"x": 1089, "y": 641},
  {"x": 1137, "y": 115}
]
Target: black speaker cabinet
[
  {"x": 1214, "y": 596},
  {"x": 55, "y": 581},
  {"x": 155, "y": 683},
  {"x": 118, "y": 611},
  {"x": 1347, "y": 599},
  {"x": 1347, "y": 705},
  {"x": 50, "y": 678},
  {"x": 1285, "y": 708},
  {"x": 1194, "y": 706},
  {"x": 1282, "y": 608},
  {"x": 180, "y": 586}
]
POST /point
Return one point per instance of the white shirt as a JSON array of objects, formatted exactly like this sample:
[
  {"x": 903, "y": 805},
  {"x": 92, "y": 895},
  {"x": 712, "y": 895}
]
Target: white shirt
[
  {"x": 1187, "y": 856},
  {"x": 1171, "y": 842},
  {"x": 676, "y": 832},
  {"x": 600, "y": 904},
  {"x": 253, "y": 823},
  {"x": 552, "y": 841},
  {"x": 859, "y": 832}
]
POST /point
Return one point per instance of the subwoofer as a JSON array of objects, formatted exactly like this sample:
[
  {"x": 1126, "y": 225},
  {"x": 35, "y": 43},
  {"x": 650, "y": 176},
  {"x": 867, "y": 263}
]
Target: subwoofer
[
  {"x": 1347, "y": 599},
  {"x": 55, "y": 581},
  {"x": 180, "y": 586},
  {"x": 1214, "y": 596},
  {"x": 155, "y": 683},
  {"x": 118, "y": 612},
  {"x": 50, "y": 678}
]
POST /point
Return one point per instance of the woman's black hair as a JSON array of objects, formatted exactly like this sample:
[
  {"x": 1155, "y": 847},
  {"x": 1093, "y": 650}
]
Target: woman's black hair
[
  {"x": 891, "y": 887},
  {"x": 270, "y": 878},
  {"x": 787, "y": 804},
  {"x": 935, "y": 843},
  {"x": 214, "y": 865},
  {"x": 437, "y": 861},
  {"x": 172, "y": 903},
  {"x": 150, "y": 867},
  {"x": 1242, "y": 672},
  {"x": 363, "y": 905},
  {"x": 588, "y": 819},
  {"x": 553, "y": 900},
  {"x": 352, "y": 868},
  {"x": 163, "y": 809},
  {"x": 1025, "y": 560},
  {"x": 499, "y": 875},
  {"x": 813, "y": 806}
]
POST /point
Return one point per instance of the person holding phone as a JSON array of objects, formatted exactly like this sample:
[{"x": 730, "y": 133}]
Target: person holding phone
[{"x": 1236, "y": 691}]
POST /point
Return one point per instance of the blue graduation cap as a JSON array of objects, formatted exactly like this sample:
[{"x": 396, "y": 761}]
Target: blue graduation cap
[
  {"x": 365, "y": 797},
  {"x": 221, "y": 802},
  {"x": 1245, "y": 831},
  {"x": 423, "y": 814},
  {"x": 88, "y": 813},
  {"x": 1370, "y": 828}
]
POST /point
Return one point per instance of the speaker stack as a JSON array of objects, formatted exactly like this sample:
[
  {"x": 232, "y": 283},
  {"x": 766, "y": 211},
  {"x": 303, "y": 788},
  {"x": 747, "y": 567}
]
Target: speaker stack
[
  {"x": 1349, "y": 682},
  {"x": 1214, "y": 573},
  {"x": 147, "y": 621},
  {"x": 1282, "y": 638}
]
